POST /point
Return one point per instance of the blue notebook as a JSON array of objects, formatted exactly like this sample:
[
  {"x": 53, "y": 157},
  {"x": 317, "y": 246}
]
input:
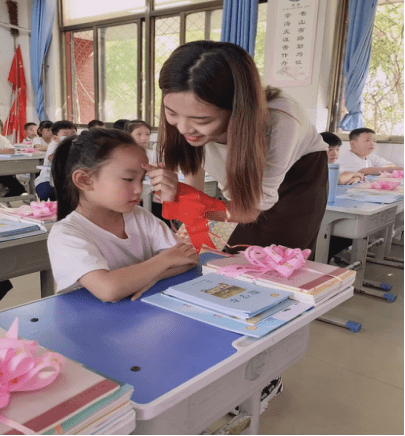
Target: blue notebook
[
  {"x": 257, "y": 326},
  {"x": 13, "y": 229},
  {"x": 228, "y": 295},
  {"x": 384, "y": 197}
]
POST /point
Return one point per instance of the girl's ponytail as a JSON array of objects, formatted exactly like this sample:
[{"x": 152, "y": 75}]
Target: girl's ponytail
[{"x": 66, "y": 192}]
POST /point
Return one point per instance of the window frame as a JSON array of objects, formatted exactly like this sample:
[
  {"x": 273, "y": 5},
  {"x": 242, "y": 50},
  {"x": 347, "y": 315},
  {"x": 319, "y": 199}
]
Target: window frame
[
  {"x": 337, "y": 78},
  {"x": 146, "y": 23}
]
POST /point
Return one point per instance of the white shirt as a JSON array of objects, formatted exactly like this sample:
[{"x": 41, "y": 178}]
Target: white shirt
[
  {"x": 292, "y": 137},
  {"x": 351, "y": 162},
  {"x": 5, "y": 143},
  {"x": 77, "y": 246},
  {"x": 38, "y": 140},
  {"x": 45, "y": 174}
]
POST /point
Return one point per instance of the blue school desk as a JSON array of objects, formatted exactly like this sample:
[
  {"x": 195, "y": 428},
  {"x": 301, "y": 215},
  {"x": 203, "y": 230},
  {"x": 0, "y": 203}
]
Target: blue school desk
[
  {"x": 186, "y": 374},
  {"x": 357, "y": 220}
]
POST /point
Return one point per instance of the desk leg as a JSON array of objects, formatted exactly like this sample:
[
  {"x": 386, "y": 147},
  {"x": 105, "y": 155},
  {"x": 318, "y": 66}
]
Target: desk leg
[
  {"x": 47, "y": 283},
  {"x": 252, "y": 407},
  {"x": 322, "y": 243}
]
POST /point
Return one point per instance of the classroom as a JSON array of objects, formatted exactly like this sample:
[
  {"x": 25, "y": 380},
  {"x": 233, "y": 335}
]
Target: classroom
[{"x": 126, "y": 111}]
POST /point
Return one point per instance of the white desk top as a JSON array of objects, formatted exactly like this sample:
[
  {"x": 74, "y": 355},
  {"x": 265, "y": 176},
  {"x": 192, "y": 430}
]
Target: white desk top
[{"x": 359, "y": 207}]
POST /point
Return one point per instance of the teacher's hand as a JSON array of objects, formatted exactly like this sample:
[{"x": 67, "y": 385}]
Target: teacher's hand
[{"x": 163, "y": 181}]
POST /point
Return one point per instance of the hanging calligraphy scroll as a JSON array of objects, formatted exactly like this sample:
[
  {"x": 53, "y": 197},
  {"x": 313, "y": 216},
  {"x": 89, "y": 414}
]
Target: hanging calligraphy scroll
[{"x": 294, "y": 43}]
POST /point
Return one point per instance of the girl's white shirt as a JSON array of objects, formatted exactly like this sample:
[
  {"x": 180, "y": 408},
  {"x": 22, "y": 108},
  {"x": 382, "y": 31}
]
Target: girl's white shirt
[
  {"x": 77, "y": 246},
  {"x": 291, "y": 137}
]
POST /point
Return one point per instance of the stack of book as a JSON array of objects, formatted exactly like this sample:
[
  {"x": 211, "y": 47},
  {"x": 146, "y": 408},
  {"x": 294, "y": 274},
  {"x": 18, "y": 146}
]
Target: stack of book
[
  {"x": 231, "y": 304},
  {"x": 79, "y": 401},
  {"x": 372, "y": 195},
  {"x": 12, "y": 227},
  {"x": 314, "y": 283}
]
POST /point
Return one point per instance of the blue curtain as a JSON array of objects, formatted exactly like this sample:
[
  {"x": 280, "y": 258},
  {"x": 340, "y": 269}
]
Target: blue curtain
[
  {"x": 42, "y": 18},
  {"x": 239, "y": 23},
  {"x": 357, "y": 59}
]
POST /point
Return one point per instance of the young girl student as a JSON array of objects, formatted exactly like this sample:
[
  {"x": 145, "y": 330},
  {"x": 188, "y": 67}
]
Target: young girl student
[
  {"x": 103, "y": 240},
  {"x": 140, "y": 131}
]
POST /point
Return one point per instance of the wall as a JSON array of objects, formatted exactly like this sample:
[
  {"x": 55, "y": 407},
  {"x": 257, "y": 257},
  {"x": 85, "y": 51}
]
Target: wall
[
  {"x": 7, "y": 49},
  {"x": 52, "y": 88}
]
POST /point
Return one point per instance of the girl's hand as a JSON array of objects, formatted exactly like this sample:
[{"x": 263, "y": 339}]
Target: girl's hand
[
  {"x": 163, "y": 181},
  {"x": 181, "y": 254}
]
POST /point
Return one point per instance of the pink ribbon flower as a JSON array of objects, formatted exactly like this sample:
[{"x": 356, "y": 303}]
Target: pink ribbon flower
[
  {"x": 38, "y": 209},
  {"x": 394, "y": 175},
  {"x": 28, "y": 150},
  {"x": 20, "y": 370},
  {"x": 274, "y": 258},
  {"x": 385, "y": 185}
]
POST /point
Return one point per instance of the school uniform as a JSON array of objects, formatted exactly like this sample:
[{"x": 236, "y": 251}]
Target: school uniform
[
  {"x": 77, "y": 246},
  {"x": 295, "y": 181},
  {"x": 351, "y": 162},
  {"x": 43, "y": 183}
]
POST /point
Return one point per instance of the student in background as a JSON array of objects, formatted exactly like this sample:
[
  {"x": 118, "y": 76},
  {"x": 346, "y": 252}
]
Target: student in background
[
  {"x": 103, "y": 240},
  {"x": 44, "y": 137},
  {"x": 361, "y": 158},
  {"x": 140, "y": 132},
  {"x": 334, "y": 143},
  {"x": 9, "y": 185},
  {"x": 43, "y": 186},
  {"x": 120, "y": 124},
  {"x": 95, "y": 123},
  {"x": 30, "y": 130}
]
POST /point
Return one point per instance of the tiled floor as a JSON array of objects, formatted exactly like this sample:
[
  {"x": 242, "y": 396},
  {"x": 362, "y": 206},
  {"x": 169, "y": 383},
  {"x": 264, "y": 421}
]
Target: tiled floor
[{"x": 348, "y": 383}]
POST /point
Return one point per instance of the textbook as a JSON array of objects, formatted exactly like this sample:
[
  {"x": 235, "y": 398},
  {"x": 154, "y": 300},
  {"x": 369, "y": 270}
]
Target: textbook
[
  {"x": 257, "y": 326},
  {"x": 78, "y": 397},
  {"x": 313, "y": 283},
  {"x": 227, "y": 295},
  {"x": 371, "y": 196},
  {"x": 14, "y": 228}
]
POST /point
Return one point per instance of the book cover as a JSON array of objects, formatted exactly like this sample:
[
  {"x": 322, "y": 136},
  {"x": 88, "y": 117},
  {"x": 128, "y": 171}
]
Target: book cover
[
  {"x": 312, "y": 283},
  {"x": 256, "y": 330},
  {"x": 75, "y": 389},
  {"x": 10, "y": 227},
  {"x": 228, "y": 295},
  {"x": 371, "y": 196}
]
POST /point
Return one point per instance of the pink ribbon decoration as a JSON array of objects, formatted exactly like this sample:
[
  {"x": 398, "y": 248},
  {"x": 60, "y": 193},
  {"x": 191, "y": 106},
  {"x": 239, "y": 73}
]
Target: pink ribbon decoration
[
  {"x": 29, "y": 150},
  {"x": 385, "y": 185},
  {"x": 274, "y": 258},
  {"x": 394, "y": 175},
  {"x": 37, "y": 209},
  {"x": 20, "y": 370}
]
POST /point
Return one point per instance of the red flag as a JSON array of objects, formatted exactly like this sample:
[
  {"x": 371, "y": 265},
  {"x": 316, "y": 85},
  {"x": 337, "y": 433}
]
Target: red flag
[{"x": 18, "y": 112}]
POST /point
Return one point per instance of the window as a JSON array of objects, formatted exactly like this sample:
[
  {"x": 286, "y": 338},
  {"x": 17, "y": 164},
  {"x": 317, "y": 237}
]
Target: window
[
  {"x": 383, "y": 94},
  {"x": 112, "y": 66}
]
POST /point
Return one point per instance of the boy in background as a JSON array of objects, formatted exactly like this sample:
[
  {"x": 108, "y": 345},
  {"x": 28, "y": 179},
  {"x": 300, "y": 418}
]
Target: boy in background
[
  {"x": 334, "y": 143},
  {"x": 95, "y": 123},
  {"x": 44, "y": 137},
  {"x": 30, "y": 130},
  {"x": 43, "y": 185},
  {"x": 361, "y": 158}
]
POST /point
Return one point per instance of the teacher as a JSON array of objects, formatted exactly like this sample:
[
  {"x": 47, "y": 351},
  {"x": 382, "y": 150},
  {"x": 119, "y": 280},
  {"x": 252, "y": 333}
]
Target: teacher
[{"x": 258, "y": 144}]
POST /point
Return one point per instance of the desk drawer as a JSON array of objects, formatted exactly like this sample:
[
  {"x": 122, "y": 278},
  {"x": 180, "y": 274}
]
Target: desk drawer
[{"x": 363, "y": 225}]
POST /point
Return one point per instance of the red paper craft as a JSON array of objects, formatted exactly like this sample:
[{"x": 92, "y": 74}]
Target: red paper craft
[{"x": 190, "y": 207}]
